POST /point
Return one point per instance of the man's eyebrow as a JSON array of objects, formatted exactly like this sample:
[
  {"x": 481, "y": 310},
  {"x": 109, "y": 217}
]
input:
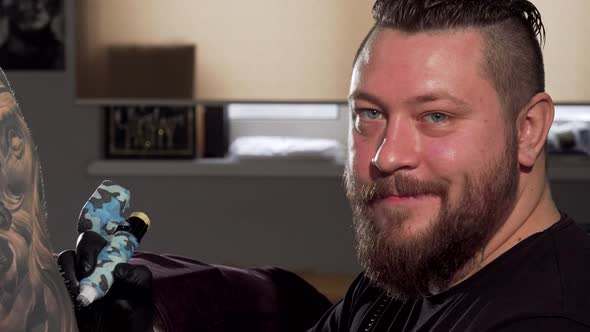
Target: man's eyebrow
[
  {"x": 436, "y": 96},
  {"x": 362, "y": 95},
  {"x": 415, "y": 100}
]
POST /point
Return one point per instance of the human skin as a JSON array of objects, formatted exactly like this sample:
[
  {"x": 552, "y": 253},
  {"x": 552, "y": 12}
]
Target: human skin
[
  {"x": 32, "y": 294},
  {"x": 422, "y": 106}
]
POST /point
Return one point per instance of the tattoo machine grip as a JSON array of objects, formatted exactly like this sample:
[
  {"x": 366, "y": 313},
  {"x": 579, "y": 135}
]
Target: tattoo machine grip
[{"x": 103, "y": 214}]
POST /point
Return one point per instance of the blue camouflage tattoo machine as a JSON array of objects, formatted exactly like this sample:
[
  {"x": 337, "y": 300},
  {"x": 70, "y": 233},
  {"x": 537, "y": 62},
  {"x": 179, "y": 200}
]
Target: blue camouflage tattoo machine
[{"x": 103, "y": 214}]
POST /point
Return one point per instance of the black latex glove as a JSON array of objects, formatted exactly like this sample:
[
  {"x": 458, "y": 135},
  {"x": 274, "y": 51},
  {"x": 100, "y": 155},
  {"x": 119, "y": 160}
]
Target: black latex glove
[{"x": 127, "y": 306}]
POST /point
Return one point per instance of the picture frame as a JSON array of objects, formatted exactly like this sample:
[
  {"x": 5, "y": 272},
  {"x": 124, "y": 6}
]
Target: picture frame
[
  {"x": 32, "y": 35},
  {"x": 150, "y": 132}
]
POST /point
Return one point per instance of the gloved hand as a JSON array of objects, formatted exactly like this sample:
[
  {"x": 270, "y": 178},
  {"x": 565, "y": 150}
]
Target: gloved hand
[{"x": 127, "y": 306}]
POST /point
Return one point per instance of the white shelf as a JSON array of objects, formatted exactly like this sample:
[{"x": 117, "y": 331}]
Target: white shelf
[
  {"x": 218, "y": 167},
  {"x": 562, "y": 167}
]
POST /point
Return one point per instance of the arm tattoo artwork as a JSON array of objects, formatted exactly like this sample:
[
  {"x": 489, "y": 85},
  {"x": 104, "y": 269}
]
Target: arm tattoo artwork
[{"x": 33, "y": 296}]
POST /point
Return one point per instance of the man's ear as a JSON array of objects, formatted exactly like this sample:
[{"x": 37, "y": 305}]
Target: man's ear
[{"x": 533, "y": 127}]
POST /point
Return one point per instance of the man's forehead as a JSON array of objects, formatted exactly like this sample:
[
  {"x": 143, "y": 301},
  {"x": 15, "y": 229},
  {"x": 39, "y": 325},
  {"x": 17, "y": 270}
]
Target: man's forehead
[
  {"x": 392, "y": 43},
  {"x": 412, "y": 68},
  {"x": 394, "y": 54}
]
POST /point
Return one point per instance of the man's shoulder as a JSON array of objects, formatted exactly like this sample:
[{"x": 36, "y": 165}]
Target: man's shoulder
[
  {"x": 550, "y": 279},
  {"x": 561, "y": 251},
  {"x": 570, "y": 239},
  {"x": 572, "y": 260},
  {"x": 543, "y": 277},
  {"x": 569, "y": 248}
]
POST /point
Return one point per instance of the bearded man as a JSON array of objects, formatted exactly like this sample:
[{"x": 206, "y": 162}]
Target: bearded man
[{"x": 455, "y": 225}]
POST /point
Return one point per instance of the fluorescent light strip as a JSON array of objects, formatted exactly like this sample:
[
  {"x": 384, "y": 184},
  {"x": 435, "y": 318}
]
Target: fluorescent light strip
[
  {"x": 283, "y": 111},
  {"x": 572, "y": 113}
]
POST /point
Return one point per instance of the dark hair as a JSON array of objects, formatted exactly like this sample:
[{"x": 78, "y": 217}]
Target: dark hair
[{"x": 513, "y": 60}]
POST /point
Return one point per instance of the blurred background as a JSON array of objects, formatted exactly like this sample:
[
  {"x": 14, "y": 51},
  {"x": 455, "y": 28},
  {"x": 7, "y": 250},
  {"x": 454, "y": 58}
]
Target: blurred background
[{"x": 160, "y": 96}]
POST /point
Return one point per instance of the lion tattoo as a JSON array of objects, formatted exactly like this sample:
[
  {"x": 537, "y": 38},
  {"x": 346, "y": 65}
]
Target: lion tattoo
[{"x": 33, "y": 296}]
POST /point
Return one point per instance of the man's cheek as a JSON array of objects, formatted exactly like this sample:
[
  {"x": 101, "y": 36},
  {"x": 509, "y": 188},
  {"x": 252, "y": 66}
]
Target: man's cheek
[
  {"x": 445, "y": 153},
  {"x": 360, "y": 167},
  {"x": 360, "y": 154}
]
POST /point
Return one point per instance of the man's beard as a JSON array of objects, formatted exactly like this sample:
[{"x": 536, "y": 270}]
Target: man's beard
[{"x": 428, "y": 262}]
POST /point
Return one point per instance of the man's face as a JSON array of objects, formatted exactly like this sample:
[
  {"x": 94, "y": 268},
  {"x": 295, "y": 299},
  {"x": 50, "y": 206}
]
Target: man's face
[{"x": 445, "y": 169}]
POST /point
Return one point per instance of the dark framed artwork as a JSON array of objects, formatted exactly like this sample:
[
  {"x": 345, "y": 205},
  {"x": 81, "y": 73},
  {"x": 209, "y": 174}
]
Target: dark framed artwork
[
  {"x": 150, "y": 132},
  {"x": 32, "y": 35}
]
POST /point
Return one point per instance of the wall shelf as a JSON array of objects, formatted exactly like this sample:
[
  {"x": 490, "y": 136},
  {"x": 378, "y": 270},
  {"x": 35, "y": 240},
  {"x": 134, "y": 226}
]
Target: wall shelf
[
  {"x": 219, "y": 167},
  {"x": 561, "y": 167}
]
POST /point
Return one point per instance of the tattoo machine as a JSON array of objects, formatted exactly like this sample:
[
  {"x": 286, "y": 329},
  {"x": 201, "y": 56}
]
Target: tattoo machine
[{"x": 103, "y": 214}]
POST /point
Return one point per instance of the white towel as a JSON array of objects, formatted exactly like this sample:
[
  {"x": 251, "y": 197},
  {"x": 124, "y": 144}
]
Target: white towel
[{"x": 286, "y": 147}]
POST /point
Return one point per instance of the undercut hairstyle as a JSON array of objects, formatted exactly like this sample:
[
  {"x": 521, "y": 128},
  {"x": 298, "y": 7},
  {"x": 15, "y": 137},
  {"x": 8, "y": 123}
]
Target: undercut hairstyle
[{"x": 512, "y": 31}]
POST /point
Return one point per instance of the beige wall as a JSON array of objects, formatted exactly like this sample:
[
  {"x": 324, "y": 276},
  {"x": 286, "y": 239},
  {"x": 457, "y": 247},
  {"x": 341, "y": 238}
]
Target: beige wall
[
  {"x": 567, "y": 50},
  {"x": 289, "y": 49},
  {"x": 246, "y": 50}
]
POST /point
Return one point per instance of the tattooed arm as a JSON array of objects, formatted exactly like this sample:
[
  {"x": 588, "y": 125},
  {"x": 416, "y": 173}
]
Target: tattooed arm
[{"x": 32, "y": 294}]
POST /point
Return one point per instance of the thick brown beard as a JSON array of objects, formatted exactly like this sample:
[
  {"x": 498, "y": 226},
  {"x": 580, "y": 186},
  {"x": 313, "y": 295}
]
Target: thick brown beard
[{"x": 428, "y": 263}]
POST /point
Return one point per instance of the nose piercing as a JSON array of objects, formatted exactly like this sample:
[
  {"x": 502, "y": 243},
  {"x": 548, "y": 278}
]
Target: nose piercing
[
  {"x": 374, "y": 163},
  {"x": 376, "y": 157}
]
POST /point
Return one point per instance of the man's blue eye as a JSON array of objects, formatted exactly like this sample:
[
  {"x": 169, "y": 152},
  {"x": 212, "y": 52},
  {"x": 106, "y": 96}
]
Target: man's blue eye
[
  {"x": 370, "y": 114},
  {"x": 437, "y": 117}
]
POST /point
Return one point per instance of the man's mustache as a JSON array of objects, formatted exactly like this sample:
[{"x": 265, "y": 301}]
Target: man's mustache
[{"x": 399, "y": 185}]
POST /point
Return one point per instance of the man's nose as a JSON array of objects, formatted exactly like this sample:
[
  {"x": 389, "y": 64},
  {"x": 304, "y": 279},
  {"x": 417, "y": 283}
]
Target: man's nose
[{"x": 399, "y": 148}]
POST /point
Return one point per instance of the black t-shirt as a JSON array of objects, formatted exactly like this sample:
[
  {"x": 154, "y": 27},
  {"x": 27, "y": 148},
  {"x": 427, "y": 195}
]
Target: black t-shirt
[{"x": 541, "y": 284}]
